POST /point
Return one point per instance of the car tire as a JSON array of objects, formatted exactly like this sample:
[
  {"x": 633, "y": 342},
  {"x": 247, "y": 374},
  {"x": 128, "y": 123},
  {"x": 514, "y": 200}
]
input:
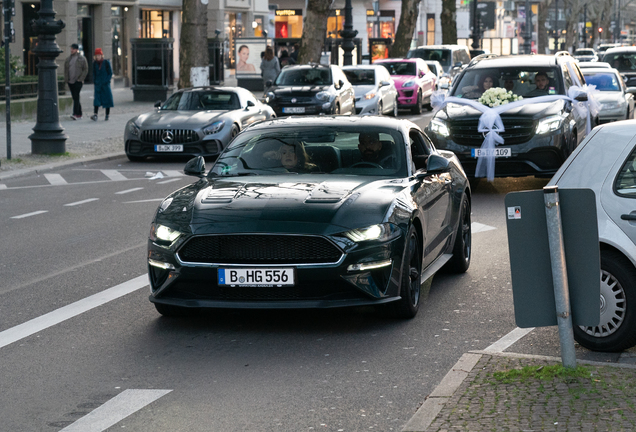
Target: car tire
[
  {"x": 172, "y": 311},
  {"x": 417, "y": 109},
  {"x": 135, "y": 158},
  {"x": 617, "y": 329},
  {"x": 336, "y": 110},
  {"x": 395, "y": 108},
  {"x": 462, "y": 249},
  {"x": 410, "y": 285},
  {"x": 235, "y": 131},
  {"x": 380, "y": 109}
]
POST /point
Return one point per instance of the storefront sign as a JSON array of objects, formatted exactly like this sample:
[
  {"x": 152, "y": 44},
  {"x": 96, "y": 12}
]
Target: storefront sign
[{"x": 289, "y": 12}]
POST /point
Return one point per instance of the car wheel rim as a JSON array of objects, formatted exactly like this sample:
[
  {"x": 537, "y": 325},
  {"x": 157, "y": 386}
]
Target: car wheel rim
[
  {"x": 466, "y": 237},
  {"x": 613, "y": 306},
  {"x": 414, "y": 271},
  {"x": 380, "y": 108},
  {"x": 395, "y": 109}
]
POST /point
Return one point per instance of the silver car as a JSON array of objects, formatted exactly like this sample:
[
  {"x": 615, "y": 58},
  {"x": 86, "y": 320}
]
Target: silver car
[
  {"x": 193, "y": 122},
  {"x": 375, "y": 90},
  {"x": 617, "y": 100},
  {"x": 606, "y": 163}
]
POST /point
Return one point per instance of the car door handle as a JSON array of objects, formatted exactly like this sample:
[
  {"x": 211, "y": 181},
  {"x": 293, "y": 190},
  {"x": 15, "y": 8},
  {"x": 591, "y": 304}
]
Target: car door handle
[{"x": 630, "y": 217}]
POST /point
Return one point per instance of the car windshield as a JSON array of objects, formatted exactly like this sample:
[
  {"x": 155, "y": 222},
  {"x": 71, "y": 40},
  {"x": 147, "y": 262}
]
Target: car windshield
[
  {"x": 360, "y": 76},
  {"x": 202, "y": 100},
  {"x": 314, "y": 150},
  {"x": 603, "y": 81},
  {"x": 433, "y": 67},
  {"x": 623, "y": 61},
  {"x": 526, "y": 82},
  {"x": 304, "y": 76},
  {"x": 441, "y": 55},
  {"x": 584, "y": 52},
  {"x": 400, "y": 68}
]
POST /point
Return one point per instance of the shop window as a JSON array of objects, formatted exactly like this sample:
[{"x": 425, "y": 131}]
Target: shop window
[
  {"x": 156, "y": 24},
  {"x": 288, "y": 23},
  {"x": 430, "y": 29}
]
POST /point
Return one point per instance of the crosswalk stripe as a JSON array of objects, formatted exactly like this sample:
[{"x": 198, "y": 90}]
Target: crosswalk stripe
[
  {"x": 143, "y": 201},
  {"x": 29, "y": 214},
  {"x": 115, "y": 410},
  {"x": 81, "y": 202},
  {"x": 128, "y": 191},
  {"x": 173, "y": 173},
  {"x": 114, "y": 175},
  {"x": 477, "y": 227},
  {"x": 55, "y": 179},
  {"x": 3, "y": 186},
  {"x": 169, "y": 181}
]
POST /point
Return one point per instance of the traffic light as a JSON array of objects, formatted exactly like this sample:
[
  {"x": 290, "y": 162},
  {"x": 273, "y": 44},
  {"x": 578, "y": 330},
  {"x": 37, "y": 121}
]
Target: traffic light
[{"x": 600, "y": 29}]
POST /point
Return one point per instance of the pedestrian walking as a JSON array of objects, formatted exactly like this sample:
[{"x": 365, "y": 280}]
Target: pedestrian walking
[
  {"x": 285, "y": 59},
  {"x": 270, "y": 67},
  {"x": 102, "y": 74},
  {"x": 75, "y": 71}
]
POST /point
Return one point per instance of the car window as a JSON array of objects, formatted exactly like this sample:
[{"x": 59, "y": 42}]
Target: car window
[
  {"x": 626, "y": 180},
  {"x": 214, "y": 101},
  {"x": 331, "y": 150},
  {"x": 173, "y": 102},
  {"x": 603, "y": 81},
  {"x": 464, "y": 57},
  {"x": 441, "y": 55},
  {"x": 623, "y": 61},
  {"x": 584, "y": 52},
  {"x": 433, "y": 68},
  {"x": 304, "y": 76},
  {"x": 522, "y": 81},
  {"x": 360, "y": 76},
  {"x": 400, "y": 68},
  {"x": 567, "y": 78}
]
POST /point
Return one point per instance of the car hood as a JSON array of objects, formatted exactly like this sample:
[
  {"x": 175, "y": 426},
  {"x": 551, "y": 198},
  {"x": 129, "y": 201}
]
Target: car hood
[
  {"x": 401, "y": 79},
  {"x": 313, "y": 204},
  {"x": 608, "y": 96},
  {"x": 291, "y": 90},
  {"x": 177, "y": 119},
  {"x": 361, "y": 90},
  {"x": 455, "y": 111}
]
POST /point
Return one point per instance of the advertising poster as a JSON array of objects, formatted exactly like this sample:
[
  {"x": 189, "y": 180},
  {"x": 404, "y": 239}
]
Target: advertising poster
[{"x": 248, "y": 56}]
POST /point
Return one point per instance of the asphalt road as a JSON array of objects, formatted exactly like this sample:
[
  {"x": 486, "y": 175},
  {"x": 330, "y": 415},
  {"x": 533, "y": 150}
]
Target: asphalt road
[{"x": 78, "y": 336}]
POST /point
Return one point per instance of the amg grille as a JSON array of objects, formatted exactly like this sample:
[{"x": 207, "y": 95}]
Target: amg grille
[
  {"x": 259, "y": 249},
  {"x": 517, "y": 131},
  {"x": 179, "y": 136}
]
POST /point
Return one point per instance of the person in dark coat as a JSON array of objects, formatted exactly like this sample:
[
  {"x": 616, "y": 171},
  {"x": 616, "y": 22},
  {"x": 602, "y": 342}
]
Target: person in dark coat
[{"x": 102, "y": 74}]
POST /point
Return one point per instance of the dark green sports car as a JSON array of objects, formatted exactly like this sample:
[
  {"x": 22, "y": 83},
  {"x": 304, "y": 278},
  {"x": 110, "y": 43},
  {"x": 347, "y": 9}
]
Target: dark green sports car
[{"x": 313, "y": 212}]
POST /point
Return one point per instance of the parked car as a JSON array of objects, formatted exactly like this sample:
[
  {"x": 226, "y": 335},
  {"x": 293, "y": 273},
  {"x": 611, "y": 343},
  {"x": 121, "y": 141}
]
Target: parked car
[
  {"x": 310, "y": 89},
  {"x": 296, "y": 214},
  {"x": 375, "y": 90},
  {"x": 414, "y": 82},
  {"x": 606, "y": 163},
  {"x": 585, "y": 55},
  {"x": 475, "y": 52},
  {"x": 604, "y": 47},
  {"x": 443, "y": 79},
  {"x": 624, "y": 60},
  {"x": 453, "y": 58},
  {"x": 538, "y": 137},
  {"x": 195, "y": 121},
  {"x": 617, "y": 100},
  {"x": 594, "y": 65}
]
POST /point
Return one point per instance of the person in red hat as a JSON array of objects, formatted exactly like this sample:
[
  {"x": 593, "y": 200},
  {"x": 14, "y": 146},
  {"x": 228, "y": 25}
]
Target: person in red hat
[{"x": 102, "y": 74}]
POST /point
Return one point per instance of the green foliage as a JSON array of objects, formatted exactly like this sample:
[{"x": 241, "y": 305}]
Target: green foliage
[
  {"x": 14, "y": 64},
  {"x": 542, "y": 373}
]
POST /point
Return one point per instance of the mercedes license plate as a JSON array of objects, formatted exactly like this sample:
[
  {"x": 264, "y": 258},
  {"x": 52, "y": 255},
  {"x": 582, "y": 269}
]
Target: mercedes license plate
[
  {"x": 256, "y": 277},
  {"x": 294, "y": 110},
  {"x": 169, "y": 148},
  {"x": 496, "y": 152}
]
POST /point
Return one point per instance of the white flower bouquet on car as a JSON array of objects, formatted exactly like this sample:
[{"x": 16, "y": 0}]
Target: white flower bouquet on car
[{"x": 498, "y": 96}]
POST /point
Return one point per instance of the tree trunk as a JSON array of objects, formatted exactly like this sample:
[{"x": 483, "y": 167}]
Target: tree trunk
[
  {"x": 193, "y": 41},
  {"x": 449, "y": 22},
  {"x": 314, "y": 31},
  {"x": 542, "y": 33},
  {"x": 406, "y": 27}
]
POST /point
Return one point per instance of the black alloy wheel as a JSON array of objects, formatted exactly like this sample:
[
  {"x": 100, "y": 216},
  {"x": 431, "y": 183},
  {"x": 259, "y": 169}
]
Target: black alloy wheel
[
  {"x": 616, "y": 330},
  {"x": 235, "y": 131},
  {"x": 395, "y": 108},
  {"x": 380, "y": 108},
  {"x": 417, "y": 109},
  {"x": 410, "y": 286},
  {"x": 336, "y": 110},
  {"x": 462, "y": 249}
]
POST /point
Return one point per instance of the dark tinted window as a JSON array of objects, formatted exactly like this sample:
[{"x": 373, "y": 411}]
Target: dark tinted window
[
  {"x": 400, "y": 68},
  {"x": 623, "y": 61},
  {"x": 626, "y": 181},
  {"x": 361, "y": 76},
  {"x": 519, "y": 80},
  {"x": 441, "y": 55},
  {"x": 304, "y": 76},
  {"x": 198, "y": 100}
]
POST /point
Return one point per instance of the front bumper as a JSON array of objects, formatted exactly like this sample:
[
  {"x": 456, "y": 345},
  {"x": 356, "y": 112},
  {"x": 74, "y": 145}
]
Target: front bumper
[
  {"x": 208, "y": 145},
  {"x": 307, "y": 109},
  {"x": 407, "y": 97},
  {"x": 367, "y": 106},
  {"x": 614, "y": 114}
]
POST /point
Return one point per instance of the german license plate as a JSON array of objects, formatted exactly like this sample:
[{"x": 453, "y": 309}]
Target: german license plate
[
  {"x": 294, "y": 110},
  {"x": 169, "y": 148},
  {"x": 256, "y": 277},
  {"x": 496, "y": 152}
]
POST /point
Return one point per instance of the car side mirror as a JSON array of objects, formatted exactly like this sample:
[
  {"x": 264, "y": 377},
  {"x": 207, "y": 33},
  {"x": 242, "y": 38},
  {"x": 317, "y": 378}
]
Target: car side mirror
[
  {"x": 437, "y": 164},
  {"x": 581, "y": 98},
  {"x": 268, "y": 83},
  {"x": 421, "y": 74},
  {"x": 631, "y": 90},
  {"x": 158, "y": 104},
  {"x": 458, "y": 65},
  {"x": 195, "y": 167},
  {"x": 339, "y": 84},
  {"x": 384, "y": 83},
  {"x": 249, "y": 104}
]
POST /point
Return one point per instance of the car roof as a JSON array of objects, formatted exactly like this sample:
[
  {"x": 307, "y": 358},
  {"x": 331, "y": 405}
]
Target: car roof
[
  {"x": 600, "y": 70},
  {"x": 363, "y": 66},
  {"x": 212, "y": 88},
  {"x": 336, "y": 120},
  {"x": 594, "y": 65},
  {"x": 520, "y": 60},
  {"x": 405, "y": 60},
  {"x": 620, "y": 49}
]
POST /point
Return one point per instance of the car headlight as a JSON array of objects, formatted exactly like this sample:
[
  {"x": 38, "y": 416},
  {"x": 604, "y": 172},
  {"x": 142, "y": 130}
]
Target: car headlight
[
  {"x": 611, "y": 105},
  {"x": 214, "y": 127},
  {"x": 163, "y": 235},
  {"x": 270, "y": 95},
  {"x": 549, "y": 124},
  {"x": 323, "y": 96},
  {"x": 133, "y": 129},
  {"x": 381, "y": 232},
  {"x": 369, "y": 95},
  {"x": 410, "y": 83},
  {"x": 439, "y": 127}
]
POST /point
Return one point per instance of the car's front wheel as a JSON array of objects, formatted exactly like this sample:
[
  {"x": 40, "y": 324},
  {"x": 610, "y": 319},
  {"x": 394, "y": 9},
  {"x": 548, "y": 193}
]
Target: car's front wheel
[
  {"x": 617, "y": 328},
  {"x": 395, "y": 108},
  {"x": 462, "y": 249},
  {"x": 417, "y": 109},
  {"x": 409, "y": 303},
  {"x": 235, "y": 131}
]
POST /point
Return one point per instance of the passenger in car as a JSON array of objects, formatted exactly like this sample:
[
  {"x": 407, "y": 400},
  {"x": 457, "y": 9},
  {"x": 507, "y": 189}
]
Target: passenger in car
[
  {"x": 374, "y": 151},
  {"x": 542, "y": 80},
  {"x": 474, "y": 92},
  {"x": 293, "y": 157}
]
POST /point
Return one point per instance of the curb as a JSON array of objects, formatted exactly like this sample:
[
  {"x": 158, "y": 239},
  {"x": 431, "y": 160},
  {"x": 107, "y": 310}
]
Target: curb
[{"x": 37, "y": 169}]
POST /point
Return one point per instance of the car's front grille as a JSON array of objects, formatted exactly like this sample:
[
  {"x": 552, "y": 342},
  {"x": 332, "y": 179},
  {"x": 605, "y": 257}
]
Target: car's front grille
[
  {"x": 285, "y": 100},
  {"x": 169, "y": 136},
  {"x": 407, "y": 93},
  {"x": 517, "y": 131},
  {"x": 259, "y": 249}
]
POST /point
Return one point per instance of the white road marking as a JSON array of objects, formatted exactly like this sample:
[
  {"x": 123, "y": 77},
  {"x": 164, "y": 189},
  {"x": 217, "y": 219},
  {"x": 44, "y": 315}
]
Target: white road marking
[
  {"x": 165, "y": 181},
  {"x": 115, "y": 410},
  {"x": 128, "y": 191},
  {"x": 476, "y": 227},
  {"x": 114, "y": 175},
  {"x": 3, "y": 186},
  {"x": 55, "y": 179},
  {"x": 29, "y": 214},
  {"x": 509, "y": 339},
  {"x": 81, "y": 202},
  {"x": 57, "y": 316},
  {"x": 144, "y": 201},
  {"x": 173, "y": 173}
]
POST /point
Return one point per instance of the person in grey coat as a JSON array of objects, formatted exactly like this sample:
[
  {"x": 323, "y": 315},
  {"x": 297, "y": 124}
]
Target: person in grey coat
[{"x": 270, "y": 67}]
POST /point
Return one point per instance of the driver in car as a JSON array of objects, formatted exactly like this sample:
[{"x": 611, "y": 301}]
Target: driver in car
[{"x": 373, "y": 152}]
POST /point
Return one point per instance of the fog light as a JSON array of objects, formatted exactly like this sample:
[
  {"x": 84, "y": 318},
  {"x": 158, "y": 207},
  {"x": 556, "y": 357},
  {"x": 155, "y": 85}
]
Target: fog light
[
  {"x": 369, "y": 265},
  {"x": 162, "y": 265}
]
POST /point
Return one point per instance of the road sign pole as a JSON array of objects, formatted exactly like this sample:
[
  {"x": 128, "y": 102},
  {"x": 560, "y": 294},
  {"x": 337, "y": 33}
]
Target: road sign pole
[
  {"x": 8, "y": 13},
  {"x": 559, "y": 275}
]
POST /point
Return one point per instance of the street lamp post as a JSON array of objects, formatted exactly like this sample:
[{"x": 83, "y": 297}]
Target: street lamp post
[
  {"x": 527, "y": 37},
  {"x": 556, "y": 25},
  {"x": 48, "y": 134},
  {"x": 347, "y": 34},
  {"x": 476, "y": 33}
]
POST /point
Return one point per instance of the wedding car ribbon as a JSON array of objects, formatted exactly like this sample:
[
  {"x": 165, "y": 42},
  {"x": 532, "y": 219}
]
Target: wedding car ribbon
[
  {"x": 490, "y": 124},
  {"x": 588, "y": 109}
]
